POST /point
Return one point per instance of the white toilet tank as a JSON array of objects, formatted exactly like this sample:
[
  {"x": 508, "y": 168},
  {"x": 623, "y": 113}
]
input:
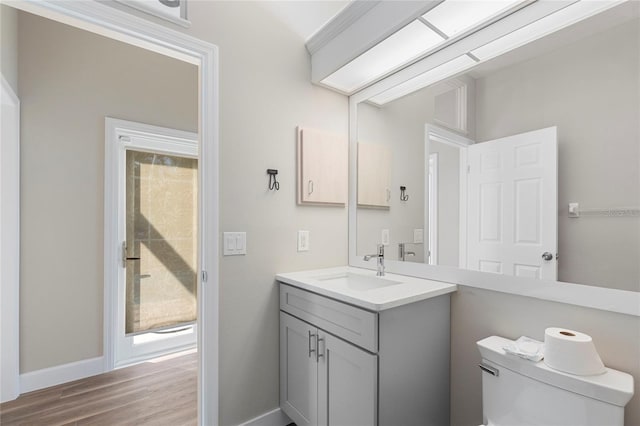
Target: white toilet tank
[{"x": 518, "y": 392}]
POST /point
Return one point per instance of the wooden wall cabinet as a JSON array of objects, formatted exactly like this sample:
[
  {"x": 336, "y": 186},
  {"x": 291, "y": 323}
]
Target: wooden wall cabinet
[
  {"x": 322, "y": 167},
  {"x": 374, "y": 175}
]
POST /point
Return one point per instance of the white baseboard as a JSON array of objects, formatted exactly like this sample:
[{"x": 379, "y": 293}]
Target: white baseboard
[
  {"x": 64, "y": 373},
  {"x": 272, "y": 418}
]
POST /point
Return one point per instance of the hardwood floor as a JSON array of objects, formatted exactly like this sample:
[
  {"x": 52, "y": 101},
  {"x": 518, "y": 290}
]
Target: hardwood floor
[{"x": 162, "y": 393}]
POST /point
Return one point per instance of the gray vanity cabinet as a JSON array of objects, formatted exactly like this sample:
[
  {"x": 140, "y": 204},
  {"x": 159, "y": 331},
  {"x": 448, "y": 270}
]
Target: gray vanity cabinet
[
  {"x": 347, "y": 366},
  {"x": 319, "y": 371}
]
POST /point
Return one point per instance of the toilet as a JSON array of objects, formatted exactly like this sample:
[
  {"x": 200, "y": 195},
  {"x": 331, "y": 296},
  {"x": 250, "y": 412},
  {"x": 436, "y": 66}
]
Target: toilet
[{"x": 519, "y": 392}]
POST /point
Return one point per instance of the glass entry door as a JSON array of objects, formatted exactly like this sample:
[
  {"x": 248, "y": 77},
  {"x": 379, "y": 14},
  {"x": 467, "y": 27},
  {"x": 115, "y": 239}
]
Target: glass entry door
[
  {"x": 161, "y": 247},
  {"x": 157, "y": 292}
]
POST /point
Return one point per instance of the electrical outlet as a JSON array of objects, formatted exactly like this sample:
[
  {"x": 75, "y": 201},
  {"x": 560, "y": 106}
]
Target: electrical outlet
[
  {"x": 418, "y": 235},
  {"x": 303, "y": 240},
  {"x": 384, "y": 239}
]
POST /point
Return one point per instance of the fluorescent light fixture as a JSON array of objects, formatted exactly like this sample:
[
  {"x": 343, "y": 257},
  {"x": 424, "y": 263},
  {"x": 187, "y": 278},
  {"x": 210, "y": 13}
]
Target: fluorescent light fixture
[
  {"x": 395, "y": 51},
  {"x": 455, "y": 16},
  {"x": 542, "y": 27},
  {"x": 434, "y": 75}
]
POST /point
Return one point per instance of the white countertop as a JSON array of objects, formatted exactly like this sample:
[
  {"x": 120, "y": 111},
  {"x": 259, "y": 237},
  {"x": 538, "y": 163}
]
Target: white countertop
[{"x": 395, "y": 290}]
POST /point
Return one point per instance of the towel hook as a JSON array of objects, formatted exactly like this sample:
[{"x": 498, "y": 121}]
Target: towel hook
[
  {"x": 273, "y": 182},
  {"x": 403, "y": 195}
]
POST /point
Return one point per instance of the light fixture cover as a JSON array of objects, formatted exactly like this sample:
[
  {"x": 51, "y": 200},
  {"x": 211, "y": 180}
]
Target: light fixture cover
[
  {"x": 448, "y": 69},
  {"x": 542, "y": 27},
  {"x": 395, "y": 51},
  {"x": 455, "y": 16}
]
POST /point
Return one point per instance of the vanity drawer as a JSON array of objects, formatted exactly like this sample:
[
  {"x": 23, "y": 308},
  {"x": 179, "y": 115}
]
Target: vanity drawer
[{"x": 348, "y": 322}]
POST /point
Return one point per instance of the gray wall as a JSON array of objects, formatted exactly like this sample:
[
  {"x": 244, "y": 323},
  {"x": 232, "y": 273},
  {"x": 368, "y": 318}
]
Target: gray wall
[
  {"x": 265, "y": 92},
  {"x": 476, "y": 314},
  {"x": 448, "y": 203},
  {"x": 9, "y": 45},
  {"x": 400, "y": 126},
  {"x": 69, "y": 81},
  {"x": 591, "y": 91}
]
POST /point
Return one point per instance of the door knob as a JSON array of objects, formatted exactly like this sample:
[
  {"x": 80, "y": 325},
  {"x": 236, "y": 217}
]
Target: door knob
[{"x": 547, "y": 256}]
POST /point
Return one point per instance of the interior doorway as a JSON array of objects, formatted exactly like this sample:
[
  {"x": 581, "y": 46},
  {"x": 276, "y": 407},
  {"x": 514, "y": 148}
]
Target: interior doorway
[{"x": 101, "y": 19}]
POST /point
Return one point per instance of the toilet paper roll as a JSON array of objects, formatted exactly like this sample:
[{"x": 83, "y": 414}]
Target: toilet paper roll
[{"x": 572, "y": 352}]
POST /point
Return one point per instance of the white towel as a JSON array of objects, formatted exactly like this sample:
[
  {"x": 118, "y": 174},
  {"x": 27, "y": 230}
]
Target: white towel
[{"x": 526, "y": 348}]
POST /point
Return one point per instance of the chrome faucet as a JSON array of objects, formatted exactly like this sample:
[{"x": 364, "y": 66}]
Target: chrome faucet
[
  {"x": 380, "y": 257},
  {"x": 403, "y": 253}
]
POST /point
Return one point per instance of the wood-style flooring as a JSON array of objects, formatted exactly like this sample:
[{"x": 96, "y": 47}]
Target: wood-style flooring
[{"x": 151, "y": 393}]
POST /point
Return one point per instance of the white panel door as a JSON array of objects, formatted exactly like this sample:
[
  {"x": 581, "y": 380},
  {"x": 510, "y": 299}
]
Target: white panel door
[
  {"x": 347, "y": 384},
  {"x": 298, "y": 371},
  {"x": 512, "y": 205}
]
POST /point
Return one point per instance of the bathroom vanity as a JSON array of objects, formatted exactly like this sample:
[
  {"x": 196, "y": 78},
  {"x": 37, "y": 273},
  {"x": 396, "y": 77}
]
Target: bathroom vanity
[{"x": 357, "y": 349}]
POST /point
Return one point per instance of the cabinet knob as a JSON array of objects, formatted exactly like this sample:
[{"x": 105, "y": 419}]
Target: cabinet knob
[{"x": 310, "y": 187}]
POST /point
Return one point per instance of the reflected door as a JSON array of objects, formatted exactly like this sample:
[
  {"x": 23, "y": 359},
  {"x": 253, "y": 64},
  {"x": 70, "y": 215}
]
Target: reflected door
[
  {"x": 158, "y": 219},
  {"x": 512, "y": 205}
]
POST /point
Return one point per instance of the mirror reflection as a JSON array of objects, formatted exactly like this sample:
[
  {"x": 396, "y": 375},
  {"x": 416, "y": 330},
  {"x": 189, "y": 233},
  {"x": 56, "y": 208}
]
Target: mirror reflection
[{"x": 526, "y": 165}]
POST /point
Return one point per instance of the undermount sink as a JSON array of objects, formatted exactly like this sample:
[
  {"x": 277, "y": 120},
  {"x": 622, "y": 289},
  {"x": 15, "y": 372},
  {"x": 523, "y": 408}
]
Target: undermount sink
[{"x": 356, "y": 282}]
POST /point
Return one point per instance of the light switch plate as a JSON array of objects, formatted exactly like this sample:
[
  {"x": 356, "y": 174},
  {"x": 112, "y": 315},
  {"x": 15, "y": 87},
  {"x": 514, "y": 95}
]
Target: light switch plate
[
  {"x": 303, "y": 240},
  {"x": 234, "y": 243},
  {"x": 418, "y": 236},
  {"x": 384, "y": 238}
]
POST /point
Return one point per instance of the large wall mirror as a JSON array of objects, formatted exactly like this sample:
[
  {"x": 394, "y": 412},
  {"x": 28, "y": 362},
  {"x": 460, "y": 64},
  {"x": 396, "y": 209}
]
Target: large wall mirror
[{"x": 527, "y": 164}]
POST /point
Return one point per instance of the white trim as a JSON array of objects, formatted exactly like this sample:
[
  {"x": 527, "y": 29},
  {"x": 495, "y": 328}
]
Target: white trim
[
  {"x": 9, "y": 243},
  {"x": 431, "y": 207},
  {"x": 275, "y": 417},
  {"x": 59, "y": 374},
  {"x": 142, "y": 7},
  {"x": 462, "y": 186},
  {"x": 118, "y": 25},
  {"x": 121, "y": 135},
  {"x": 446, "y": 137},
  {"x": 352, "y": 12}
]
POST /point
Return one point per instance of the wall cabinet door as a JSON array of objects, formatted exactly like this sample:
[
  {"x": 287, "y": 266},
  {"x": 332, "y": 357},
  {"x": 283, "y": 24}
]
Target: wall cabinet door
[
  {"x": 374, "y": 175},
  {"x": 347, "y": 383},
  {"x": 322, "y": 167},
  {"x": 298, "y": 371},
  {"x": 324, "y": 380}
]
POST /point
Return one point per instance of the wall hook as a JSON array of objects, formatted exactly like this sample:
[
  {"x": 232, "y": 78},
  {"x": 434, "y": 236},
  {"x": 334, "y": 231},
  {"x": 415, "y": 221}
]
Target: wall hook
[
  {"x": 403, "y": 196},
  {"x": 273, "y": 183}
]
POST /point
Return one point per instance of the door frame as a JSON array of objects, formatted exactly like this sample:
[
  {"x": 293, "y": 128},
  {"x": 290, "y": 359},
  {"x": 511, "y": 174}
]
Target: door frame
[
  {"x": 10, "y": 243},
  {"x": 112, "y": 23},
  {"x": 447, "y": 137},
  {"x": 121, "y": 135},
  {"x": 431, "y": 247}
]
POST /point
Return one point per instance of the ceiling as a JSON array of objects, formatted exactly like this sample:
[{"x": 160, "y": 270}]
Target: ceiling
[{"x": 305, "y": 17}]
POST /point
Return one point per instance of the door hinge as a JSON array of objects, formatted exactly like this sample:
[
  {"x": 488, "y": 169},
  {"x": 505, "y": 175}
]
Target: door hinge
[
  {"x": 205, "y": 276},
  {"x": 468, "y": 169}
]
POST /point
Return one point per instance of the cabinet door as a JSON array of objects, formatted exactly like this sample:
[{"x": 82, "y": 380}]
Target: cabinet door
[
  {"x": 347, "y": 384},
  {"x": 323, "y": 164},
  {"x": 298, "y": 371},
  {"x": 374, "y": 175}
]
